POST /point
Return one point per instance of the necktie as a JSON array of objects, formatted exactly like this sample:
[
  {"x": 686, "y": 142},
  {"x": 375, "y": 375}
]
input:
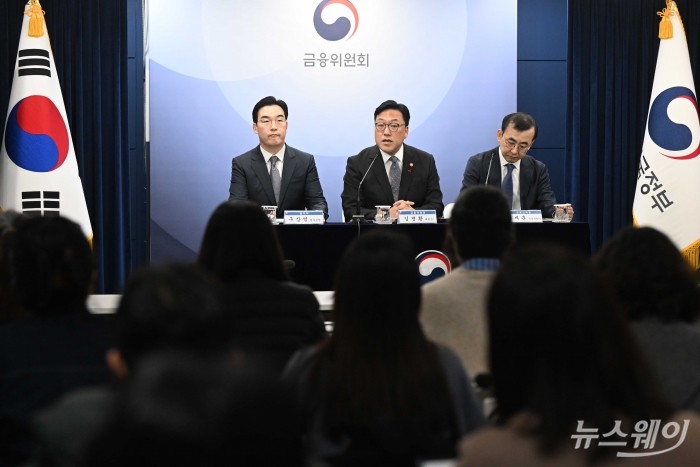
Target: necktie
[
  {"x": 507, "y": 185},
  {"x": 395, "y": 176},
  {"x": 275, "y": 177}
]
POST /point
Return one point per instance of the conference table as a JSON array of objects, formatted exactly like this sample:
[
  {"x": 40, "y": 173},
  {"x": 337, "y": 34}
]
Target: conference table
[{"x": 314, "y": 251}]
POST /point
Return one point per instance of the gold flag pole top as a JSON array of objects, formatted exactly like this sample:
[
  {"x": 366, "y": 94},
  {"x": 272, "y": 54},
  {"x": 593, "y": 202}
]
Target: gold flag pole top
[
  {"x": 36, "y": 18},
  {"x": 666, "y": 27}
]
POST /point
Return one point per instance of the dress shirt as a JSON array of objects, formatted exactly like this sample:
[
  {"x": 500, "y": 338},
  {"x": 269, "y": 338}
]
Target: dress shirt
[
  {"x": 387, "y": 162},
  {"x": 280, "y": 156}
]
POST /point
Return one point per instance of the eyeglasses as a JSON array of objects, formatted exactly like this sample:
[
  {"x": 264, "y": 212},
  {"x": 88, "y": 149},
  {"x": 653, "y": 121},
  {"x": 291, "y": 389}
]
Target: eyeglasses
[
  {"x": 393, "y": 127},
  {"x": 267, "y": 122},
  {"x": 511, "y": 143}
]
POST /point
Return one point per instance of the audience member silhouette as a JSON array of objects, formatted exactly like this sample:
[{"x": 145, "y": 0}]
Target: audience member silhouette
[
  {"x": 453, "y": 310},
  {"x": 271, "y": 316},
  {"x": 377, "y": 392},
  {"x": 563, "y": 360},
  {"x": 164, "y": 307},
  {"x": 179, "y": 409},
  {"x": 58, "y": 346},
  {"x": 660, "y": 297}
]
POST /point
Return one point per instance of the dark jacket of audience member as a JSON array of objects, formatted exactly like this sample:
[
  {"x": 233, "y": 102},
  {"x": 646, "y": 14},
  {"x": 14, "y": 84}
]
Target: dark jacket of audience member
[
  {"x": 180, "y": 409},
  {"x": 660, "y": 297},
  {"x": 562, "y": 358},
  {"x": 377, "y": 392},
  {"x": 9, "y": 308},
  {"x": 59, "y": 345},
  {"x": 170, "y": 307},
  {"x": 271, "y": 316}
]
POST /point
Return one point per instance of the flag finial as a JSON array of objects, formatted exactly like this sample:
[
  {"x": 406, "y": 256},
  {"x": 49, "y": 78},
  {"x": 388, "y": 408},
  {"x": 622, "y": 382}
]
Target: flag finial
[{"x": 36, "y": 18}]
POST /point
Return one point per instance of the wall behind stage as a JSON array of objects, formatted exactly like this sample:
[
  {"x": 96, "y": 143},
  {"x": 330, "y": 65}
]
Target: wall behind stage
[{"x": 453, "y": 63}]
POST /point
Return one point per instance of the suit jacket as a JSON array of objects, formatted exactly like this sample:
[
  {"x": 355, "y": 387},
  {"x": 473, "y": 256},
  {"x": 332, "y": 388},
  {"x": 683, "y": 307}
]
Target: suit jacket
[
  {"x": 300, "y": 186},
  {"x": 420, "y": 182},
  {"x": 535, "y": 187}
]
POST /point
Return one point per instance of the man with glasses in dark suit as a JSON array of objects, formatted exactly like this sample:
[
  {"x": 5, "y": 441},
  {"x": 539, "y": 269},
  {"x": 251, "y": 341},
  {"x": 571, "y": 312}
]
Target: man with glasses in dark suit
[
  {"x": 390, "y": 173},
  {"x": 523, "y": 179}
]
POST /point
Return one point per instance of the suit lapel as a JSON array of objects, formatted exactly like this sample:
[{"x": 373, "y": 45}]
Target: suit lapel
[
  {"x": 527, "y": 175},
  {"x": 380, "y": 176},
  {"x": 409, "y": 165},
  {"x": 260, "y": 169},
  {"x": 287, "y": 172},
  {"x": 493, "y": 161}
]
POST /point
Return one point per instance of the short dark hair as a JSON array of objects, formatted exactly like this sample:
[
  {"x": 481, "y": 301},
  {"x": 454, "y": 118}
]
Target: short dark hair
[
  {"x": 649, "y": 275},
  {"x": 171, "y": 306},
  {"x": 238, "y": 240},
  {"x": 393, "y": 105},
  {"x": 52, "y": 265},
  {"x": 520, "y": 121},
  {"x": 269, "y": 100},
  {"x": 480, "y": 224}
]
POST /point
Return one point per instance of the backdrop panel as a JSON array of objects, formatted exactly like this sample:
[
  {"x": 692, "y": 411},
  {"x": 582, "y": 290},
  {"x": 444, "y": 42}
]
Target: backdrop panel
[{"x": 452, "y": 63}]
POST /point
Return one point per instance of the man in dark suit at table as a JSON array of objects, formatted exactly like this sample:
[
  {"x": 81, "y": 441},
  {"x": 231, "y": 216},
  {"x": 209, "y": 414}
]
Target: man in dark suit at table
[
  {"x": 274, "y": 174},
  {"x": 394, "y": 173},
  {"x": 523, "y": 179}
]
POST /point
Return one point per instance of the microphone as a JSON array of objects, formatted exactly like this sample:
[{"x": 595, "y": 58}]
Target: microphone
[
  {"x": 358, "y": 216},
  {"x": 489, "y": 171}
]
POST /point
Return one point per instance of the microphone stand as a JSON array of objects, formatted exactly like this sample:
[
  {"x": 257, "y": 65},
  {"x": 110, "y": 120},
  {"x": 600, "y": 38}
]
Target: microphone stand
[{"x": 359, "y": 218}]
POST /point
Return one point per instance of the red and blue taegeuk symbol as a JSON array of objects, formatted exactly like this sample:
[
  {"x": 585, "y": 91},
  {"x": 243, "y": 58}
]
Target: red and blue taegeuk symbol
[
  {"x": 338, "y": 29},
  {"x": 36, "y": 137},
  {"x": 667, "y": 134},
  {"x": 432, "y": 264}
]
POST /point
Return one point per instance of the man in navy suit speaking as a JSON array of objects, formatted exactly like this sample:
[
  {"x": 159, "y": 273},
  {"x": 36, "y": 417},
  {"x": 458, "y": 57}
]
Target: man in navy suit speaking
[
  {"x": 274, "y": 174},
  {"x": 390, "y": 173}
]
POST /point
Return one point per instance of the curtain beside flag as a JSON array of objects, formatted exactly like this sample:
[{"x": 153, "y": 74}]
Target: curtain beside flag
[
  {"x": 667, "y": 196},
  {"x": 38, "y": 168}
]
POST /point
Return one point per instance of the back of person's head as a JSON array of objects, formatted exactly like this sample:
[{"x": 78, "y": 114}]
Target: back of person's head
[
  {"x": 378, "y": 367},
  {"x": 185, "y": 410},
  {"x": 238, "y": 241},
  {"x": 393, "y": 105},
  {"x": 52, "y": 266},
  {"x": 171, "y": 306},
  {"x": 649, "y": 275},
  {"x": 377, "y": 290},
  {"x": 520, "y": 121},
  {"x": 269, "y": 100},
  {"x": 9, "y": 308},
  {"x": 560, "y": 348},
  {"x": 481, "y": 225}
]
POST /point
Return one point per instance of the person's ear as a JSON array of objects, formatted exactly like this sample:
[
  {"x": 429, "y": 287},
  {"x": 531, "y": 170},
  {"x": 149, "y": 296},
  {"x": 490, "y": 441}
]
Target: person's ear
[{"x": 116, "y": 364}]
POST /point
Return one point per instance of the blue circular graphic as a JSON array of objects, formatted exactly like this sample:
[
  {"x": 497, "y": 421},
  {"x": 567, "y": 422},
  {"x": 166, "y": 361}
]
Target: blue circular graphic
[
  {"x": 666, "y": 133},
  {"x": 338, "y": 29}
]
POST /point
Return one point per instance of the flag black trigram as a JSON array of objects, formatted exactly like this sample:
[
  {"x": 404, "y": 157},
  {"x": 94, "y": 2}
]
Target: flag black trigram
[
  {"x": 38, "y": 203},
  {"x": 33, "y": 62}
]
